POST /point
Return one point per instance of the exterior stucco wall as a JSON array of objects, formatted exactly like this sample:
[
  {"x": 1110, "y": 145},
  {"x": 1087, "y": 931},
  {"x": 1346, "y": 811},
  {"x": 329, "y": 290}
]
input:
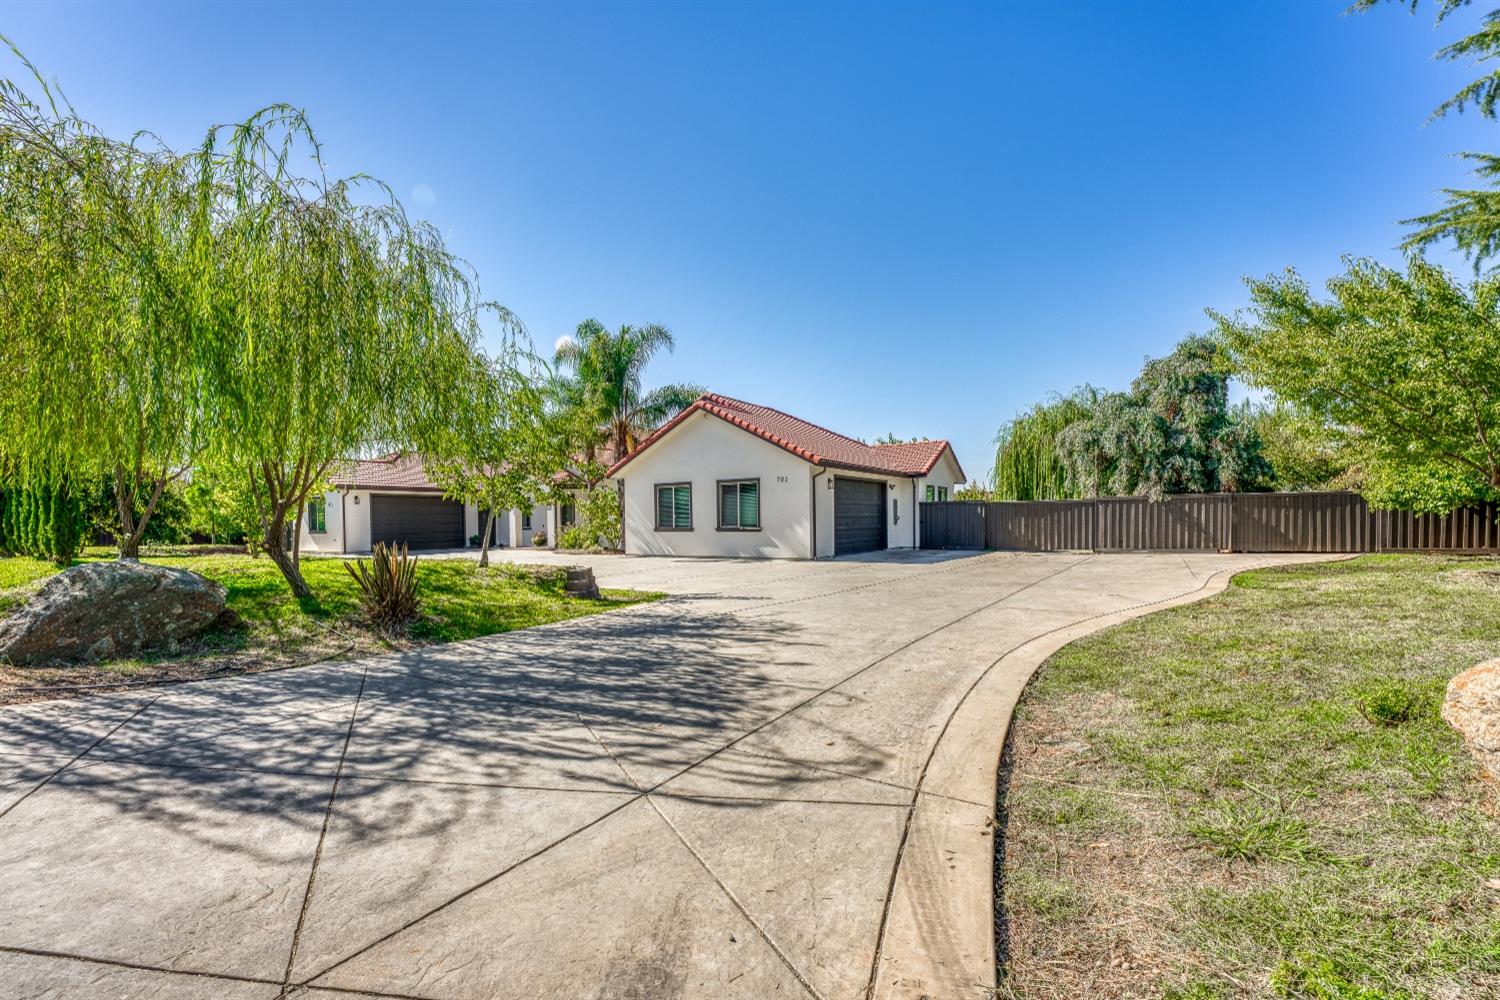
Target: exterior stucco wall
[
  {"x": 900, "y": 522},
  {"x": 344, "y": 521},
  {"x": 703, "y": 450}
]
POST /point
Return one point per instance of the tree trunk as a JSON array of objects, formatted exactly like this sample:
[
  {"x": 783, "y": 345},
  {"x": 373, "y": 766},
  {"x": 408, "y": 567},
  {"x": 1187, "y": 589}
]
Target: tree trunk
[
  {"x": 132, "y": 530},
  {"x": 484, "y": 539},
  {"x": 274, "y": 542},
  {"x": 297, "y": 535}
]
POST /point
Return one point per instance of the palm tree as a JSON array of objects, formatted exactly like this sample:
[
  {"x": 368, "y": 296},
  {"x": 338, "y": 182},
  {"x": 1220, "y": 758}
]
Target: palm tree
[{"x": 606, "y": 375}]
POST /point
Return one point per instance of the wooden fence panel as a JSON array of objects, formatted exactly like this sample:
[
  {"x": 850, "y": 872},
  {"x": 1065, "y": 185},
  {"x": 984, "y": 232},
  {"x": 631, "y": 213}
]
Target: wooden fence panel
[
  {"x": 1040, "y": 525},
  {"x": 1183, "y": 523},
  {"x": 1233, "y": 522},
  {"x": 953, "y": 524},
  {"x": 1301, "y": 522}
]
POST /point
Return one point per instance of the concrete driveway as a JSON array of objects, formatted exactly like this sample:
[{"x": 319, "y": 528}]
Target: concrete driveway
[{"x": 779, "y": 782}]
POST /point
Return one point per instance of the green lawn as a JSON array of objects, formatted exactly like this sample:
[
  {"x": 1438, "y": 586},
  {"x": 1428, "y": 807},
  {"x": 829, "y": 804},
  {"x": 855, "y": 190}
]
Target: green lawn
[
  {"x": 459, "y": 601},
  {"x": 1255, "y": 796}
]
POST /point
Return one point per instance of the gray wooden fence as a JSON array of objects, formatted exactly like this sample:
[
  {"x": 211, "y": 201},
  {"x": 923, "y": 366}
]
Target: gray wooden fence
[{"x": 1213, "y": 522}]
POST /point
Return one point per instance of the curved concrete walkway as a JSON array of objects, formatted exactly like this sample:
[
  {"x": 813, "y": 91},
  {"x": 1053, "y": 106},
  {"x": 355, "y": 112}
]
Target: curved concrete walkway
[{"x": 777, "y": 782}]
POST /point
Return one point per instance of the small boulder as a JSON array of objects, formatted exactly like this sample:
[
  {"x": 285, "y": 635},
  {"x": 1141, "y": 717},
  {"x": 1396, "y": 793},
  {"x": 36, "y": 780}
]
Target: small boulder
[
  {"x": 101, "y": 610},
  {"x": 1472, "y": 706}
]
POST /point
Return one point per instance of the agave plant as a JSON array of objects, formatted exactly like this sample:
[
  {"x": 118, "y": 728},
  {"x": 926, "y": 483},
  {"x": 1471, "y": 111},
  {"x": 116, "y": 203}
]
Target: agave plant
[{"x": 388, "y": 585}]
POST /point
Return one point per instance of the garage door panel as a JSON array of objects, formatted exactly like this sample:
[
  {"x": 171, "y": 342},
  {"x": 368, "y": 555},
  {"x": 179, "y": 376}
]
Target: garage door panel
[
  {"x": 858, "y": 516},
  {"x": 420, "y": 521}
]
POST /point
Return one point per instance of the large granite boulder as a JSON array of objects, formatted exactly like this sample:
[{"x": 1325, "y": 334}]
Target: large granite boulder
[
  {"x": 107, "y": 609},
  {"x": 1472, "y": 706}
]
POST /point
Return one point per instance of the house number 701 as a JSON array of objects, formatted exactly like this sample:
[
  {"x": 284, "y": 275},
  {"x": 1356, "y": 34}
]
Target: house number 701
[{"x": 781, "y": 479}]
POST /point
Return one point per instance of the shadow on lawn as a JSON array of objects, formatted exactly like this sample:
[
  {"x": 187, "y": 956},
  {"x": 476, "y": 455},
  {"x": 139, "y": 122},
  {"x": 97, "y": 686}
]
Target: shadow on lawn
[{"x": 246, "y": 765}]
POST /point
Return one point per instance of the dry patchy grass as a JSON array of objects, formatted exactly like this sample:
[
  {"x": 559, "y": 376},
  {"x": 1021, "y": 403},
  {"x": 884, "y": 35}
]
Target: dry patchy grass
[{"x": 1254, "y": 796}]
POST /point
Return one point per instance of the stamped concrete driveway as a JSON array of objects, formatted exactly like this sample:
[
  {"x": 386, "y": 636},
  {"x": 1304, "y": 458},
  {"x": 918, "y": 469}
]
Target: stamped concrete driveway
[{"x": 776, "y": 783}]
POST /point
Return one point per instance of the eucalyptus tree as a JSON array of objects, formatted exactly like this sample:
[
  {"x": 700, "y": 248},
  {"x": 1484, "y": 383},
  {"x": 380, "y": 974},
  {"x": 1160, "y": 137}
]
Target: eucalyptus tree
[
  {"x": 99, "y": 348},
  {"x": 504, "y": 448},
  {"x": 608, "y": 377},
  {"x": 332, "y": 323}
]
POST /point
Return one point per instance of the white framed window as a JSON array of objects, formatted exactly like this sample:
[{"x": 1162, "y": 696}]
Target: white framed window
[
  {"x": 317, "y": 516},
  {"x": 674, "y": 506},
  {"x": 739, "y": 505}
]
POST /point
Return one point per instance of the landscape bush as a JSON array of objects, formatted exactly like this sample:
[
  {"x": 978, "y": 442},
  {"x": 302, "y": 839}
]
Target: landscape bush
[
  {"x": 45, "y": 520},
  {"x": 387, "y": 586}
]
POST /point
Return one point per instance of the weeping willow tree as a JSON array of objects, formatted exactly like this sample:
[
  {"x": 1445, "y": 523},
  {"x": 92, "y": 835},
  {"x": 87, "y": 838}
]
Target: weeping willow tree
[
  {"x": 1028, "y": 464},
  {"x": 332, "y": 325},
  {"x": 98, "y": 346},
  {"x": 232, "y": 306}
]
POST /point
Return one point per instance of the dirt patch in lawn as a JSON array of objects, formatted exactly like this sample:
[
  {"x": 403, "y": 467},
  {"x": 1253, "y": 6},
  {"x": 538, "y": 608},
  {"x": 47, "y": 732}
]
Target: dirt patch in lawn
[{"x": 1208, "y": 804}]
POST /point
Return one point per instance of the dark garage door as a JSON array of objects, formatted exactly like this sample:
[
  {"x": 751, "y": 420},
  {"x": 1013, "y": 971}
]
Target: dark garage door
[
  {"x": 422, "y": 522},
  {"x": 858, "y": 516}
]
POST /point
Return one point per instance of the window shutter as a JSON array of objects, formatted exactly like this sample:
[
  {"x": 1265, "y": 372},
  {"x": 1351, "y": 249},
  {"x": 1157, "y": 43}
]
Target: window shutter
[
  {"x": 683, "y": 506},
  {"x": 749, "y": 505}
]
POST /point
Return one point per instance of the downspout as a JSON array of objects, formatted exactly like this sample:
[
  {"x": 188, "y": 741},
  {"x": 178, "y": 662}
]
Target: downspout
[
  {"x": 813, "y": 511},
  {"x": 620, "y": 494}
]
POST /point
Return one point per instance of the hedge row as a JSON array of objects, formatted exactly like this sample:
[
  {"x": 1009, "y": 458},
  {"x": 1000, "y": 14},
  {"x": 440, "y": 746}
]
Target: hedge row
[{"x": 45, "y": 520}]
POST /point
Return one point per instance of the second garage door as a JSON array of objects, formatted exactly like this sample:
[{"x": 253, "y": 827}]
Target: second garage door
[
  {"x": 858, "y": 516},
  {"x": 422, "y": 522}
]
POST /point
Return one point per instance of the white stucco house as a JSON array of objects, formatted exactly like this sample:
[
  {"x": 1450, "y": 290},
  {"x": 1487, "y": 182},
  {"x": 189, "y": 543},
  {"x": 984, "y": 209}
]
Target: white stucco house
[
  {"x": 391, "y": 499},
  {"x": 730, "y": 478}
]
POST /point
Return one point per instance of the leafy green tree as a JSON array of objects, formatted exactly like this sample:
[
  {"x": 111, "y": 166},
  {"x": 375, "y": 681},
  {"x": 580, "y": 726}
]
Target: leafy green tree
[
  {"x": 502, "y": 449},
  {"x": 1409, "y": 361},
  {"x": 1173, "y": 432},
  {"x": 1028, "y": 462},
  {"x": 607, "y": 372},
  {"x": 219, "y": 506},
  {"x": 599, "y": 523},
  {"x": 1304, "y": 452}
]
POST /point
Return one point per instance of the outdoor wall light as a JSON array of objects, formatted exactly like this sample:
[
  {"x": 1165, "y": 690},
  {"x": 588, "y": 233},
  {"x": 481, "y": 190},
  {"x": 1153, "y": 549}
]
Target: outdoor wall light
[{"x": 356, "y": 499}]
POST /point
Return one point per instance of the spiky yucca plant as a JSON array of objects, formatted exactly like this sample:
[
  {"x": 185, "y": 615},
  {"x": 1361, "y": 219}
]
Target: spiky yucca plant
[{"x": 388, "y": 586}]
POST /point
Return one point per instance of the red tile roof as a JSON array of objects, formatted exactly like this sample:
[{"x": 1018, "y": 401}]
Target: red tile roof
[
  {"x": 807, "y": 441},
  {"x": 399, "y": 471},
  {"x": 407, "y": 471}
]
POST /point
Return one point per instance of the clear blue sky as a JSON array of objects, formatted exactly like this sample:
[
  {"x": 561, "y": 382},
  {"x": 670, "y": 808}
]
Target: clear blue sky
[{"x": 915, "y": 219}]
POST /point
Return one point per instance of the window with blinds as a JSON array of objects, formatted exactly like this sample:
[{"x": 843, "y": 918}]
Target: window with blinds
[
  {"x": 674, "y": 507},
  {"x": 739, "y": 505}
]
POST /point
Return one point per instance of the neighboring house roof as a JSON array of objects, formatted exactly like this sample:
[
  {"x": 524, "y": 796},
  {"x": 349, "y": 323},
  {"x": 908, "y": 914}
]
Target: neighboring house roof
[
  {"x": 406, "y": 471},
  {"x": 398, "y": 471},
  {"x": 808, "y": 441}
]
